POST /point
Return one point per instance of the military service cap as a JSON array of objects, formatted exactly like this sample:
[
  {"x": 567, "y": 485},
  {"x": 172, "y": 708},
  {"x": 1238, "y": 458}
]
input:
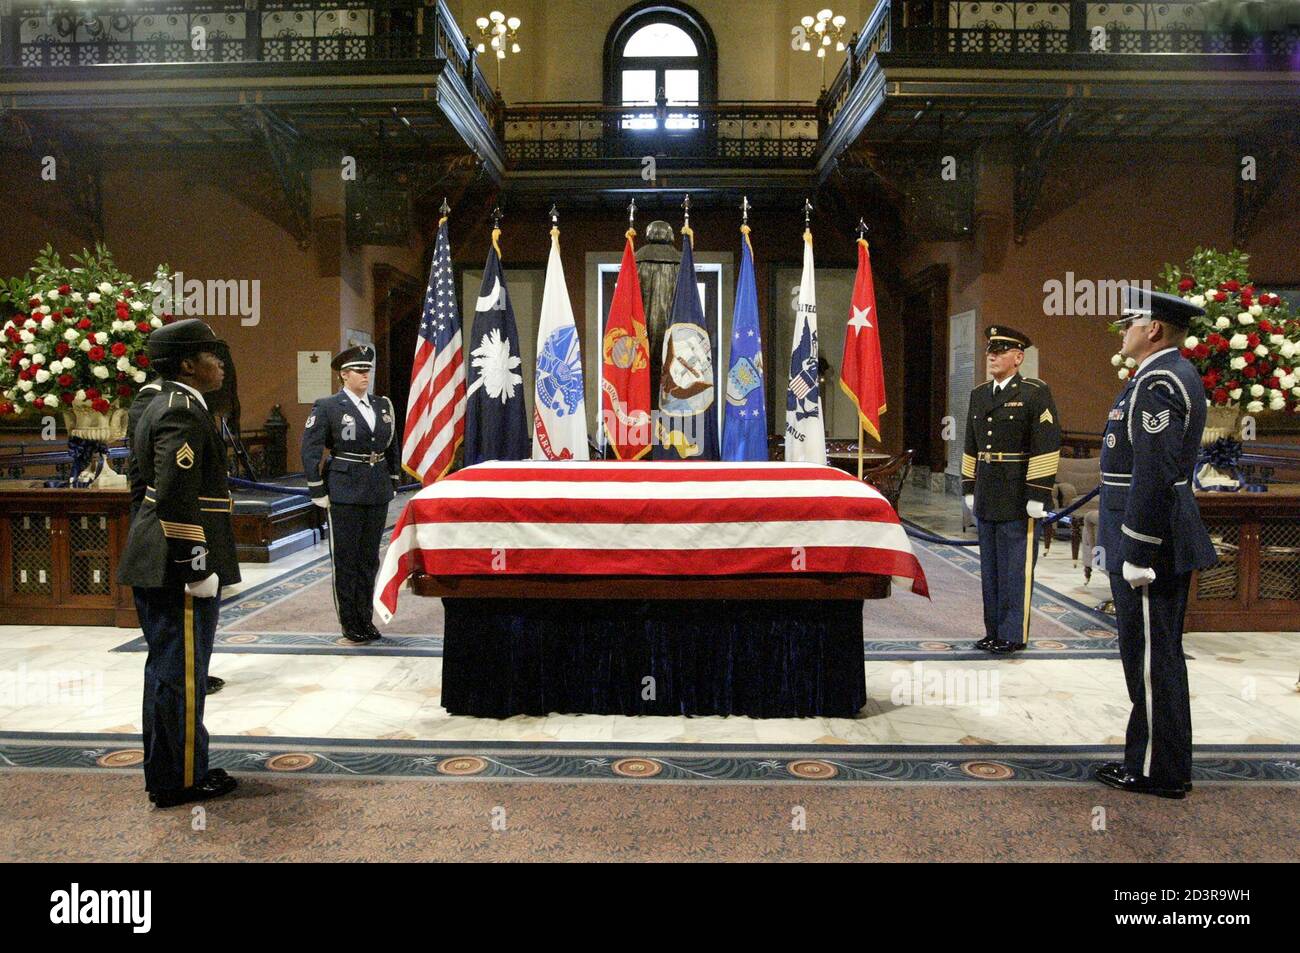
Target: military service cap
[
  {"x": 1140, "y": 303},
  {"x": 181, "y": 339},
  {"x": 359, "y": 358},
  {"x": 1003, "y": 338}
]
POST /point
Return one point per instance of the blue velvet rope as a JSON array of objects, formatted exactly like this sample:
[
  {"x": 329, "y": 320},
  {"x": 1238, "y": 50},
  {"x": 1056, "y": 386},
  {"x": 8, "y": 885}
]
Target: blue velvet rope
[
  {"x": 293, "y": 490},
  {"x": 1050, "y": 518}
]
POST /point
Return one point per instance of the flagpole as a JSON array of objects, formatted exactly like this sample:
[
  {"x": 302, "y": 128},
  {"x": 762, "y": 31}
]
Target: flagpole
[{"x": 862, "y": 434}]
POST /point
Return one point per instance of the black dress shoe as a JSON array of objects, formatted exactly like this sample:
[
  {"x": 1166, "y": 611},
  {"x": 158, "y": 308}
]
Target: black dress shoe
[
  {"x": 986, "y": 644},
  {"x": 215, "y": 685},
  {"x": 1003, "y": 647},
  {"x": 373, "y": 632},
  {"x": 1116, "y": 770},
  {"x": 214, "y": 785},
  {"x": 1125, "y": 780},
  {"x": 356, "y": 635}
]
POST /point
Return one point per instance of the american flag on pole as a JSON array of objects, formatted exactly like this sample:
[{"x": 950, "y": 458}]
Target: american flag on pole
[
  {"x": 435, "y": 410},
  {"x": 646, "y": 519}
]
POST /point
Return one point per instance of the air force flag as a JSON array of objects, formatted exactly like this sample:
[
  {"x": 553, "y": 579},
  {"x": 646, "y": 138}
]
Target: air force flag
[
  {"x": 805, "y": 433},
  {"x": 495, "y": 425},
  {"x": 559, "y": 410},
  {"x": 744, "y": 431}
]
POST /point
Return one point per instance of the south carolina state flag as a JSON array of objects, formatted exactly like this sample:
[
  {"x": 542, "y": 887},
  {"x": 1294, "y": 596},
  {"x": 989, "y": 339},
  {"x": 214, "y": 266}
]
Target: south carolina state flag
[
  {"x": 862, "y": 377},
  {"x": 625, "y": 366}
]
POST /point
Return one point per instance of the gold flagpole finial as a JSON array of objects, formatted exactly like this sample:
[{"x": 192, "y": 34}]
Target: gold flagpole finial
[
  {"x": 807, "y": 213},
  {"x": 444, "y": 210},
  {"x": 744, "y": 210}
]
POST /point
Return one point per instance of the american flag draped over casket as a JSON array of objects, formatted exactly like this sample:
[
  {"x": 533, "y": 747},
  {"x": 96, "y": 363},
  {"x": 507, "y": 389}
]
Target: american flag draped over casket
[{"x": 646, "y": 519}]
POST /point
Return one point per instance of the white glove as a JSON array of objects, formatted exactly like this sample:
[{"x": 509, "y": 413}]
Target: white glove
[
  {"x": 322, "y": 501},
  {"x": 205, "y": 588},
  {"x": 1138, "y": 576},
  {"x": 1035, "y": 509},
  {"x": 970, "y": 501}
]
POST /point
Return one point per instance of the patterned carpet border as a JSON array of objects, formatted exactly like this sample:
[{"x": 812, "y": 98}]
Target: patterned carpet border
[
  {"x": 654, "y": 763},
  {"x": 1096, "y": 630}
]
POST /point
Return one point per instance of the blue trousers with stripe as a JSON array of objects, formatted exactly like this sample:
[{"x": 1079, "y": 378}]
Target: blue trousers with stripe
[
  {"x": 1008, "y": 554},
  {"x": 179, "y": 630},
  {"x": 1158, "y": 743}
]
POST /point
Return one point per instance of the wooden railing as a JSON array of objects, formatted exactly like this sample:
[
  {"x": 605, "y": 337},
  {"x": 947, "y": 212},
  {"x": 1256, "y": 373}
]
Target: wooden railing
[
  {"x": 547, "y": 135},
  {"x": 54, "y": 35}
]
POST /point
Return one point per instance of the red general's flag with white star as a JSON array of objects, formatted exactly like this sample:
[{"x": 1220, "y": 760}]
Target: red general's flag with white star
[{"x": 862, "y": 375}]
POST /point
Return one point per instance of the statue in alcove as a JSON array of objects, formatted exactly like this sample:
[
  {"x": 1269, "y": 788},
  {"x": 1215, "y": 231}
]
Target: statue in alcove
[{"x": 657, "y": 263}]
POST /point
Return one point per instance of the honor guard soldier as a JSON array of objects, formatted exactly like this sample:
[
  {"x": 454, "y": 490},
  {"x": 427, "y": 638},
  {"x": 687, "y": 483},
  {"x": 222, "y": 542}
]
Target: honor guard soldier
[
  {"x": 1152, "y": 538},
  {"x": 180, "y": 552},
  {"x": 143, "y": 398},
  {"x": 1013, "y": 447},
  {"x": 355, "y": 484}
]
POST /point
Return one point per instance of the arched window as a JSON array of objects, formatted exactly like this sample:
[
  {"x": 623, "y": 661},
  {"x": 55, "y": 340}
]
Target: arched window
[{"x": 660, "y": 48}]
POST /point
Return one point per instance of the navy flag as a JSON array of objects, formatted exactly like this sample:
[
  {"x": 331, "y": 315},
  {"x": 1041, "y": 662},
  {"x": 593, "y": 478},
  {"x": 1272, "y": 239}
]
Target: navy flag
[
  {"x": 496, "y": 427},
  {"x": 687, "y": 428},
  {"x": 744, "y": 431}
]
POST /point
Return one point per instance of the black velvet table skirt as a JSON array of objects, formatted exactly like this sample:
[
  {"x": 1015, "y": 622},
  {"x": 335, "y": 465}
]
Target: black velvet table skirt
[{"x": 766, "y": 659}]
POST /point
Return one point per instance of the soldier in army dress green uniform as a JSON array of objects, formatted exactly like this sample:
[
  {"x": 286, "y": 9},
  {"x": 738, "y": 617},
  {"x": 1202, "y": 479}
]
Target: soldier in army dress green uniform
[{"x": 1013, "y": 447}]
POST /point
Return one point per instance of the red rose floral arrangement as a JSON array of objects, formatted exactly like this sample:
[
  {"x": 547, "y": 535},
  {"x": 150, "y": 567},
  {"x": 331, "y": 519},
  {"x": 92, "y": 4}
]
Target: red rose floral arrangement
[
  {"x": 75, "y": 334},
  {"x": 1247, "y": 346}
]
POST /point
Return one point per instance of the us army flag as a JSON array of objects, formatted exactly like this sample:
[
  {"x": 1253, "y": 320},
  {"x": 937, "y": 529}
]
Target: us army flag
[
  {"x": 805, "y": 434},
  {"x": 559, "y": 409},
  {"x": 496, "y": 427}
]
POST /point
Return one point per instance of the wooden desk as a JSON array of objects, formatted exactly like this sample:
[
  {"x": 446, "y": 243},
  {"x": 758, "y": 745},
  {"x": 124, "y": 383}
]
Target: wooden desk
[
  {"x": 59, "y": 552},
  {"x": 1256, "y": 585}
]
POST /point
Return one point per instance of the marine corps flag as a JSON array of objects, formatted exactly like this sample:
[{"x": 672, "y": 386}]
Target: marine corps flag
[
  {"x": 805, "y": 434},
  {"x": 496, "y": 427},
  {"x": 625, "y": 366},
  {"x": 744, "y": 430},
  {"x": 862, "y": 376},
  {"x": 559, "y": 409},
  {"x": 687, "y": 428}
]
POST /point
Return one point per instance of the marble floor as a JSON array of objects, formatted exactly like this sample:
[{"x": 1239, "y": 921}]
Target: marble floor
[{"x": 67, "y": 680}]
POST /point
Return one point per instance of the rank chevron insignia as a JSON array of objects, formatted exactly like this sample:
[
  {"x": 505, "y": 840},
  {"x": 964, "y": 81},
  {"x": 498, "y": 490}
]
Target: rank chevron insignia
[
  {"x": 1154, "y": 423},
  {"x": 185, "y": 457},
  {"x": 1045, "y": 417}
]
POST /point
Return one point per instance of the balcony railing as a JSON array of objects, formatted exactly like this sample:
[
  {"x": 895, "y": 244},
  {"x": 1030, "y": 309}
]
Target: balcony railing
[
  {"x": 552, "y": 135},
  {"x": 1015, "y": 32},
  {"x": 55, "y": 36}
]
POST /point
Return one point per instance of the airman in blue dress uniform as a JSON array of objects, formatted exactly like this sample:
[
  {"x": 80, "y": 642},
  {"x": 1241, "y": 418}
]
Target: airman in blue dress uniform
[
  {"x": 1151, "y": 539},
  {"x": 1013, "y": 448},
  {"x": 355, "y": 484}
]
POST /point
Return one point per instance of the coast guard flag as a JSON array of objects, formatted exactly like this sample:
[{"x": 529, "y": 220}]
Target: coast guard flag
[
  {"x": 625, "y": 366},
  {"x": 744, "y": 431},
  {"x": 495, "y": 425},
  {"x": 559, "y": 410},
  {"x": 435, "y": 410},
  {"x": 805, "y": 434},
  {"x": 862, "y": 376},
  {"x": 688, "y": 418}
]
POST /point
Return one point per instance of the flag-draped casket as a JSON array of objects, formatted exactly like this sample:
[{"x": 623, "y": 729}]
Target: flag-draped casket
[{"x": 646, "y": 519}]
